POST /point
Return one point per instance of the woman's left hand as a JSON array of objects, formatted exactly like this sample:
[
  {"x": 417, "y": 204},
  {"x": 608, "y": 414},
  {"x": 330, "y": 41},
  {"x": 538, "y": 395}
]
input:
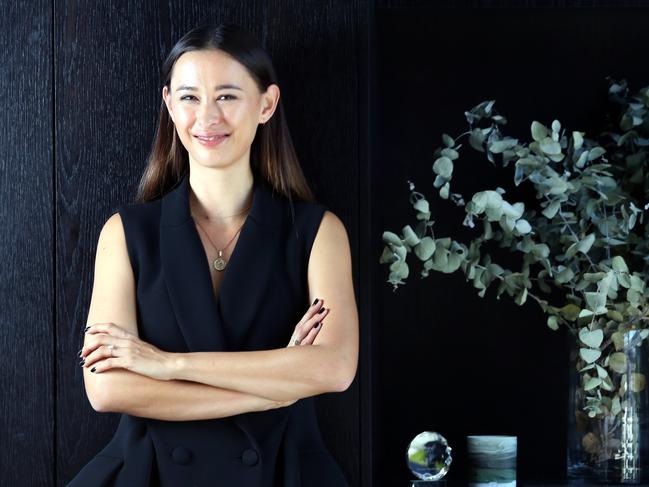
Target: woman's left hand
[{"x": 128, "y": 352}]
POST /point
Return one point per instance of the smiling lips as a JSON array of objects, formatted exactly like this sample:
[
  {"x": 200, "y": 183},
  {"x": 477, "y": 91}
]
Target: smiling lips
[{"x": 211, "y": 140}]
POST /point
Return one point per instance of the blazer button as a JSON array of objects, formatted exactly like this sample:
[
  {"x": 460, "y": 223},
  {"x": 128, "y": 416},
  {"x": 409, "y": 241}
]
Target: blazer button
[
  {"x": 249, "y": 457},
  {"x": 181, "y": 455}
]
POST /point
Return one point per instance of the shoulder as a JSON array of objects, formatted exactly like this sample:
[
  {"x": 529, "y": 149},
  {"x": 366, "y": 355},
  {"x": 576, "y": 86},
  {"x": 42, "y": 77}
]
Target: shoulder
[
  {"x": 111, "y": 246},
  {"x": 131, "y": 228},
  {"x": 140, "y": 211},
  {"x": 139, "y": 217},
  {"x": 113, "y": 228},
  {"x": 331, "y": 231}
]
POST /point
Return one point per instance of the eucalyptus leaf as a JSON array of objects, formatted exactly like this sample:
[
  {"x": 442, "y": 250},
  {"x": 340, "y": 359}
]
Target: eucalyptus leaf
[
  {"x": 476, "y": 138},
  {"x": 549, "y": 146},
  {"x": 607, "y": 384},
  {"x": 578, "y": 139},
  {"x": 443, "y": 166},
  {"x": 564, "y": 274},
  {"x": 592, "y": 383},
  {"x": 617, "y": 362},
  {"x": 391, "y": 238},
  {"x": 523, "y": 226},
  {"x": 596, "y": 302},
  {"x": 595, "y": 153},
  {"x": 422, "y": 206},
  {"x": 570, "y": 312},
  {"x": 589, "y": 355},
  {"x": 618, "y": 340},
  {"x": 450, "y": 153},
  {"x": 539, "y": 131},
  {"x": 443, "y": 192},
  {"x": 502, "y": 145},
  {"x": 551, "y": 210},
  {"x": 601, "y": 372},
  {"x": 425, "y": 249},
  {"x": 409, "y": 236},
  {"x": 619, "y": 265},
  {"x": 448, "y": 140},
  {"x": 591, "y": 338}
]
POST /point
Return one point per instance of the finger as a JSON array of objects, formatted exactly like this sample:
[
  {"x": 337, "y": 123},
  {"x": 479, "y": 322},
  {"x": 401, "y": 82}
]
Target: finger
[
  {"x": 310, "y": 338},
  {"x": 101, "y": 339},
  {"x": 304, "y": 329},
  {"x": 110, "y": 328},
  {"x": 102, "y": 352},
  {"x": 105, "y": 364},
  {"x": 313, "y": 309},
  {"x": 95, "y": 327},
  {"x": 310, "y": 319}
]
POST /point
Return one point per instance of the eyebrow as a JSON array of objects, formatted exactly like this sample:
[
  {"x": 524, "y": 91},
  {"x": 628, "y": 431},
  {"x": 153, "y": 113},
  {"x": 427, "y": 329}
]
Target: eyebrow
[{"x": 217, "y": 87}]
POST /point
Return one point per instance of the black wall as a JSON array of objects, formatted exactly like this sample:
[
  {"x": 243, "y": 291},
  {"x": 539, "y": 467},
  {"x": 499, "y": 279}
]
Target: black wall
[
  {"x": 368, "y": 88},
  {"x": 445, "y": 359}
]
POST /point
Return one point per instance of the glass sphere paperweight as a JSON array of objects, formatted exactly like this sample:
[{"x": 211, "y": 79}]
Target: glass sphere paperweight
[{"x": 428, "y": 457}]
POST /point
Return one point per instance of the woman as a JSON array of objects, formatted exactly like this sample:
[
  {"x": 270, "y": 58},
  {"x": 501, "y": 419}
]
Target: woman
[{"x": 197, "y": 329}]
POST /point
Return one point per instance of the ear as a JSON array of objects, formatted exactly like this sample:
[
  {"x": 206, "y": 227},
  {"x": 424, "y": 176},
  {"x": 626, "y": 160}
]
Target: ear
[
  {"x": 269, "y": 100},
  {"x": 166, "y": 96}
]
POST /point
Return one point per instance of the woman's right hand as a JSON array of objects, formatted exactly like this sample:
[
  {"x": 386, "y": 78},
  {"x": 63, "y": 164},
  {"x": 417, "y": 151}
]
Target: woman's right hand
[{"x": 306, "y": 331}]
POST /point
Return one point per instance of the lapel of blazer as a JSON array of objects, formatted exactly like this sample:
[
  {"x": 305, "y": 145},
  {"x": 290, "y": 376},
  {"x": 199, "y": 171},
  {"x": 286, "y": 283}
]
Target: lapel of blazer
[
  {"x": 202, "y": 321},
  {"x": 187, "y": 276}
]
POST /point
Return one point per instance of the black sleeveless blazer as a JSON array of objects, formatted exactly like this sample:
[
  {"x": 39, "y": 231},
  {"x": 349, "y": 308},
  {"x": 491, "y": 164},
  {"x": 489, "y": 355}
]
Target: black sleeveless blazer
[{"x": 262, "y": 297}]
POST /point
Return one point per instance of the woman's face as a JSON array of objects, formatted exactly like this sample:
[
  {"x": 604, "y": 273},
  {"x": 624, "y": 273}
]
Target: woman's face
[{"x": 216, "y": 107}]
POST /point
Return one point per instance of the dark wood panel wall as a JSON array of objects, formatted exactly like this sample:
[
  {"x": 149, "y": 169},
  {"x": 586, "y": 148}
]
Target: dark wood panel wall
[
  {"x": 27, "y": 248},
  {"x": 80, "y": 86}
]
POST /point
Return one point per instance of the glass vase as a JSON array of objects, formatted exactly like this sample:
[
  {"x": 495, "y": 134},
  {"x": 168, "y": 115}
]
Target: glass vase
[{"x": 608, "y": 434}]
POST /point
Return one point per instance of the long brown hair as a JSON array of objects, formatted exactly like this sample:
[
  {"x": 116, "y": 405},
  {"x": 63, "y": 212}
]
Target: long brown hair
[{"x": 272, "y": 155}]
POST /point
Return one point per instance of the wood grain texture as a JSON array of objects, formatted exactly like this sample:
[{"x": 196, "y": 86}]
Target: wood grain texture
[
  {"x": 26, "y": 248},
  {"x": 317, "y": 65},
  {"x": 107, "y": 96},
  {"x": 107, "y": 70}
]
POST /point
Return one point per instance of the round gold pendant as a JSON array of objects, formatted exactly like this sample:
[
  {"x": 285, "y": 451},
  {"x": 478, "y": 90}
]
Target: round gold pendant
[{"x": 219, "y": 263}]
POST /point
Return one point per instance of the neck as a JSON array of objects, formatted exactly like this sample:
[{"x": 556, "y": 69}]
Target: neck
[{"x": 220, "y": 196}]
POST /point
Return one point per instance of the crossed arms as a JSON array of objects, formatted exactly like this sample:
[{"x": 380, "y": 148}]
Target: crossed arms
[{"x": 204, "y": 385}]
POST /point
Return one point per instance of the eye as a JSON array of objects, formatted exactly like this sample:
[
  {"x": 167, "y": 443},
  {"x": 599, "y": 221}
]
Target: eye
[
  {"x": 187, "y": 96},
  {"x": 231, "y": 97}
]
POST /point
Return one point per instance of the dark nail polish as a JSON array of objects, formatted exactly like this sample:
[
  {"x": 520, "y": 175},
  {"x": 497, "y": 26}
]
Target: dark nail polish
[
  {"x": 79, "y": 353},
  {"x": 92, "y": 370},
  {"x": 87, "y": 328},
  {"x": 321, "y": 310},
  {"x": 82, "y": 362},
  {"x": 316, "y": 300}
]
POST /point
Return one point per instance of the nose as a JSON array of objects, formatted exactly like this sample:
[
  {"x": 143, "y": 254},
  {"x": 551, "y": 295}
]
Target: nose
[{"x": 209, "y": 113}]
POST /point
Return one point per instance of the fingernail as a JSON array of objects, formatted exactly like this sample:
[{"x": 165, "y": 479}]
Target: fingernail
[
  {"x": 87, "y": 328},
  {"x": 316, "y": 300},
  {"x": 79, "y": 352},
  {"x": 321, "y": 310},
  {"x": 92, "y": 370},
  {"x": 82, "y": 362}
]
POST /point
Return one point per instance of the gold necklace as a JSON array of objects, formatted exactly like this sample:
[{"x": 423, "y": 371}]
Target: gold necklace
[{"x": 219, "y": 263}]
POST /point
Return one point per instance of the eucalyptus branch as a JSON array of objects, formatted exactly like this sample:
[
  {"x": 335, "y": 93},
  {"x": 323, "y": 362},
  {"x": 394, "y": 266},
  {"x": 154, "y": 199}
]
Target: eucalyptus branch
[{"x": 605, "y": 292}]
